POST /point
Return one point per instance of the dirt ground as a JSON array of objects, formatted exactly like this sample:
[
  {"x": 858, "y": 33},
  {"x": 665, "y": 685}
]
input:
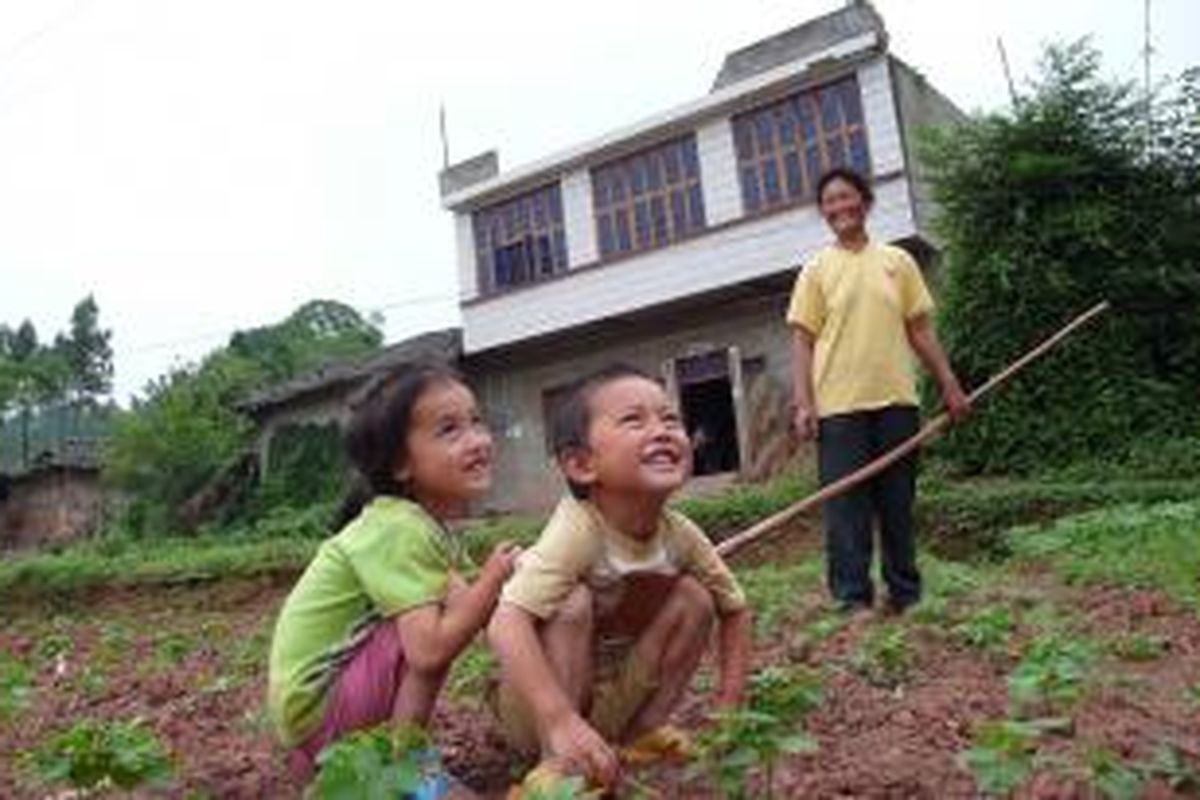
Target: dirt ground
[{"x": 190, "y": 662}]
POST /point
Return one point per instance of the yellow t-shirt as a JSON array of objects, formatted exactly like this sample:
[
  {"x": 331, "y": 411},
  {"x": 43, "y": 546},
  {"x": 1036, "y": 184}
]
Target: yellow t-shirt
[
  {"x": 855, "y": 306},
  {"x": 579, "y": 546}
]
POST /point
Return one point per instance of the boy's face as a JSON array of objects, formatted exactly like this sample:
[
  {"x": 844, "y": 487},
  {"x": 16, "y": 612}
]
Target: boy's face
[{"x": 636, "y": 441}]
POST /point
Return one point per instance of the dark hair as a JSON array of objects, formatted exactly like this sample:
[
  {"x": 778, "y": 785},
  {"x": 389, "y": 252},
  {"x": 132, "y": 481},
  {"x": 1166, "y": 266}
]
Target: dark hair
[
  {"x": 572, "y": 420},
  {"x": 861, "y": 184},
  {"x": 381, "y": 414}
]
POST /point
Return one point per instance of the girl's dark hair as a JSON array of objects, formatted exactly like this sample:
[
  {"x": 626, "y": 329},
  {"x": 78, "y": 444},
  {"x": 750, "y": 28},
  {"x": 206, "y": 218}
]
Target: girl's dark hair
[
  {"x": 572, "y": 420},
  {"x": 861, "y": 184},
  {"x": 381, "y": 414}
]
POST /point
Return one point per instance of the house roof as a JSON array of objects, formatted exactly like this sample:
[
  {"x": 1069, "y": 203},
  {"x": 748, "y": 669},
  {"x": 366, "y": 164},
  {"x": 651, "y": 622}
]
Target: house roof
[
  {"x": 441, "y": 346},
  {"x": 800, "y": 42},
  {"x": 801, "y": 53}
]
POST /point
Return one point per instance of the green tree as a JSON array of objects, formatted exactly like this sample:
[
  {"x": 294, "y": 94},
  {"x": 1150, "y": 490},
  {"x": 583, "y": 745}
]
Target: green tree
[
  {"x": 1045, "y": 210},
  {"x": 88, "y": 353},
  {"x": 187, "y": 429}
]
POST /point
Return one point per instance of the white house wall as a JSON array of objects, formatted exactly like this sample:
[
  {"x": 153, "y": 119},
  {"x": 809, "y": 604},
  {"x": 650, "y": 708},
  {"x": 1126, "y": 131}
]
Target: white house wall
[
  {"x": 718, "y": 171},
  {"x": 879, "y": 115},
  {"x": 468, "y": 274},
  {"x": 737, "y": 253}
]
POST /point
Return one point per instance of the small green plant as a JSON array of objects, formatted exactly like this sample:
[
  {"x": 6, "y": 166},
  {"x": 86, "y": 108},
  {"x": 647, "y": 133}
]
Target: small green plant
[
  {"x": 1114, "y": 779},
  {"x": 1192, "y": 693},
  {"x": 1169, "y": 765},
  {"x": 1050, "y": 674},
  {"x": 756, "y": 736},
  {"x": 885, "y": 656},
  {"x": 375, "y": 764},
  {"x": 91, "y": 754},
  {"x": 172, "y": 649},
  {"x": 470, "y": 673},
  {"x": 16, "y": 686},
  {"x": 1003, "y": 752},
  {"x": 1138, "y": 647},
  {"x": 987, "y": 629},
  {"x": 54, "y": 645}
]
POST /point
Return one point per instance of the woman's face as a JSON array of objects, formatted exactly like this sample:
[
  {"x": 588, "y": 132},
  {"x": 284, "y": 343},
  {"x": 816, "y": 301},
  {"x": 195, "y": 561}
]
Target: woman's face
[{"x": 844, "y": 209}]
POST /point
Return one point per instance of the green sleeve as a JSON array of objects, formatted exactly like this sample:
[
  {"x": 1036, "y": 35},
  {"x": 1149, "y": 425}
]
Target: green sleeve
[{"x": 400, "y": 566}]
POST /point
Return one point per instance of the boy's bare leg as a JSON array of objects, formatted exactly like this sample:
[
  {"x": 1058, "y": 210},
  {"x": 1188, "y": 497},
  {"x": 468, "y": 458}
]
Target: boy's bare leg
[
  {"x": 567, "y": 640},
  {"x": 673, "y": 644}
]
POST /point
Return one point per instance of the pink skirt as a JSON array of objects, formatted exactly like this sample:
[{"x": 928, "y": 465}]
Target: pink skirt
[{"x": 363, "y": 697}]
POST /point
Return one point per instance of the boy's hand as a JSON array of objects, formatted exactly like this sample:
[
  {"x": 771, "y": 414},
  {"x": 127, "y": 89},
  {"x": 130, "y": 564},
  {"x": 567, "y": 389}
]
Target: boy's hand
[
  {"x": 577, "y": 742},
  {"x": 500, "y": 564}
]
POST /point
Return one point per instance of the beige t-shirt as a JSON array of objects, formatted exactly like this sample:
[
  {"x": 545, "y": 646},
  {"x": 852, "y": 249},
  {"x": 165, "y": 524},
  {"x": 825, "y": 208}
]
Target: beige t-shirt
[{"x": 579, "y": 546}]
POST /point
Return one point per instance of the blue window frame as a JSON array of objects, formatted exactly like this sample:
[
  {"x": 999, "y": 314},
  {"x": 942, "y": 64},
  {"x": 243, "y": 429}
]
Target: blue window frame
[
  {"x": 521, "y": 240},
  {"x": 664, "y": 203},
  {"x": 783, "y": 148}
]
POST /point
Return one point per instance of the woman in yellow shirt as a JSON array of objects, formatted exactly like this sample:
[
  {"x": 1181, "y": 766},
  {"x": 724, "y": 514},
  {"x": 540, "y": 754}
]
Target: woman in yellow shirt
[{"x": 859, "y": 311}]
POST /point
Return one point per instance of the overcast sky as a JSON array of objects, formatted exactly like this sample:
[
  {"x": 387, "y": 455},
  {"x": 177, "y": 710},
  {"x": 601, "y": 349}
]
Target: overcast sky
[{"x": 206, "y": 165}]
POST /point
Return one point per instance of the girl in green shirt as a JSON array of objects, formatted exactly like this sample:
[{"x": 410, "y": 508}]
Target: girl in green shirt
[{"x": 368, "y": 633}]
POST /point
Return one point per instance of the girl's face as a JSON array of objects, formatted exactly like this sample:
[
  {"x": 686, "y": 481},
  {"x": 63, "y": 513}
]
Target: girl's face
[
  {"x": 448, "y": 454},
  {"x": 844, "y": 209}
]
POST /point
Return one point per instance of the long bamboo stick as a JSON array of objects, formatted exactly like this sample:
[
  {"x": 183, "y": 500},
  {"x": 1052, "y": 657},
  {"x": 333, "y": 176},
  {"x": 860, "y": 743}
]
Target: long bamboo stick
[{"x": 764, "y": 528}]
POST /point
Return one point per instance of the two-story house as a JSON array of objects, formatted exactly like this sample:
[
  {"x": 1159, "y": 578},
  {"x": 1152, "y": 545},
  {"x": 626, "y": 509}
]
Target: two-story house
[{"x": 673, "y": 243}]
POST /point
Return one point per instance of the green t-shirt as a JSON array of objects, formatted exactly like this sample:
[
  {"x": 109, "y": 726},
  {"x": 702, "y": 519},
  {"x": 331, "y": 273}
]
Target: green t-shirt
[{"x": 391, "y": 558}]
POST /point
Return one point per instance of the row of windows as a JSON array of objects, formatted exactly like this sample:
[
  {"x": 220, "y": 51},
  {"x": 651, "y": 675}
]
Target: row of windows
[{"x": 653, "y": 198}]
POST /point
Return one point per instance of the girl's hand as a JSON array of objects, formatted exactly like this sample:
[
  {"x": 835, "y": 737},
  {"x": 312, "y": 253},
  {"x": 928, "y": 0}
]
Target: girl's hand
[{"x": 501, "y": 563}]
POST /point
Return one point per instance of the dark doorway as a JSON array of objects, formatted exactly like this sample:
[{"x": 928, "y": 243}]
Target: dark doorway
[{"x": 711, "y": 425}]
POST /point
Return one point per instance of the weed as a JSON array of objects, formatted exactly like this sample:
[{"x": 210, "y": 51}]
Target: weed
[
  {"x": 92, "y": 754},
  {"x": 377, "y": 763},
  {"x": 54, "y": 645},
  {"x": 1114, "y": 779},
  {"x": 172, "y": 649},
  {"x": 772, "y": 591},
  {"x": 1138, "y": 647},
  {"x": 987, "y": 629},
  {"x": 885, "y": 656},
  {"x": 16, "y": 686},
  {"x": 1050, "y": 674},
  {"x": 470, "y": 673},
  {"x": 1003, "y": 753},
  {"x": 1169, "y": 766},
  {"x": 1192, "y": 693},
  {"x": 759, "y": 734}
]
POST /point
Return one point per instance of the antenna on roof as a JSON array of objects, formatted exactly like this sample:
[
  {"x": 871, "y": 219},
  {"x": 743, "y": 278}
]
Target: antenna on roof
[
  {"x": 1012, "y": 90},
  {"x": 445, "y": 139}
]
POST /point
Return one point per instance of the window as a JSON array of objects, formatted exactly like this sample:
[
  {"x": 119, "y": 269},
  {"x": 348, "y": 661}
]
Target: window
[
  {"x": 649, "y": 199},
  {"x": 521, "y": 240},
  {"x": 783, "y": 148}
]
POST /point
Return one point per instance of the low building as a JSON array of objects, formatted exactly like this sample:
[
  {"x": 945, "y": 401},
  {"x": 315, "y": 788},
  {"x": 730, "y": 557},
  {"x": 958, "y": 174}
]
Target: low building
[
  {"x": 53, "y": 502},
  {"x": 673, "y": 243}
]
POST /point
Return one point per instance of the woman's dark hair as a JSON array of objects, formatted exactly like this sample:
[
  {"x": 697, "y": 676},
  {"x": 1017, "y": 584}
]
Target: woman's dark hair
[
  {"x": 381, "y": 414},
  {"x": 571, "y": 421},
  {"x": 861, "y": 184}
]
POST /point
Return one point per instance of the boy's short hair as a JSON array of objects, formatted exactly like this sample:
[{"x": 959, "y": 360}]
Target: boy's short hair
[{"x": 572, "y": 420}]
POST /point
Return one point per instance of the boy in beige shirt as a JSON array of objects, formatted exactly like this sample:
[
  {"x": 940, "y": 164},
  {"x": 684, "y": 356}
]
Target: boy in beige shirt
[{"x": 606, "y": 618}]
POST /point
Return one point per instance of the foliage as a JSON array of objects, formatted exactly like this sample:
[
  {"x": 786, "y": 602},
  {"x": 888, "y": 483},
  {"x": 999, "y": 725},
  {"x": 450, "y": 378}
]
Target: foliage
[
  {"x": 381, "y": 763},
  {"x": 91, "y": 754},
  {"x": 1145, "y": 546},
  {"x": 16, "y": 687},
  {"x": 773, "y": 589},
  {"x": 769, "y": 727},
  {"x": 744, "y": 504},
  {"x": 1003, "y": 752},
  {"x": 307, "y": 465},
  {"x": 1114, "y": 779},
  {"x": 187, "y": 429},
  {"x": 987, "y": 629},
  {"x": 1138, "y": 647},
  {"x": 1045, "y": 210},
  {"x": 1050, "y": 674},
  {"x": 885, "y": 656}
]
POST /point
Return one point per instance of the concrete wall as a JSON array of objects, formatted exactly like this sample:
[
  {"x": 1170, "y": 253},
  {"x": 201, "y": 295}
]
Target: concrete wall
[
  {"x": 511, "y": 388},
  {"x": 920, "y": 106},
  {"x": 50, "y": 506}
]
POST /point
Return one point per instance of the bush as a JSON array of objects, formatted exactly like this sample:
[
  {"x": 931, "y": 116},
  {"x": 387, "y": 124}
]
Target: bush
[{"x": 1045, "y": 211}]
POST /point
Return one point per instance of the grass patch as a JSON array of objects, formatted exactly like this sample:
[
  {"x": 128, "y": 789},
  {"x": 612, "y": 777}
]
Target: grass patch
[
  {"x": 1133, "y": 545},
  {"x": 773, "y": 591}
]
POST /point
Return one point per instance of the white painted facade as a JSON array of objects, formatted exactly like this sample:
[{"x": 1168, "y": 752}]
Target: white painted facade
[{"x": 735, "y": 249}]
